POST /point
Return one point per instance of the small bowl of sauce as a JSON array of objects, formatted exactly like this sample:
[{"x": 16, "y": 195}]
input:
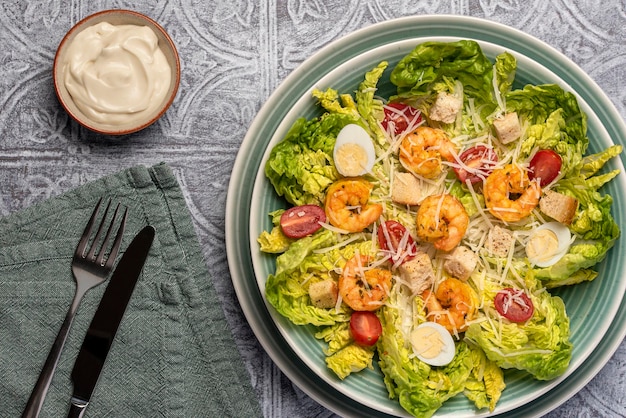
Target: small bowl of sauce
[{"x": 116, "y": 72}]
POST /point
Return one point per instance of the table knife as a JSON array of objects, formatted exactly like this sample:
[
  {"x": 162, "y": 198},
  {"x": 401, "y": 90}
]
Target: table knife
[{"x": 106, "y": 321}]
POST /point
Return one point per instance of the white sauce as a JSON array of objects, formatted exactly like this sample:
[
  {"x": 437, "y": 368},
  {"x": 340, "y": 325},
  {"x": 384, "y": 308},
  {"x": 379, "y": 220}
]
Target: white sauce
[{"x": 116, "y": 74}]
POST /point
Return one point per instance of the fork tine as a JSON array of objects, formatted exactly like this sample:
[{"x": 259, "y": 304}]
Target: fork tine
[
  {"x": 84, "y": 239},
  {"x": 94, "y": 245},
  {"x": 100, "y": 256},
  {"x": 118, "y": 242}
]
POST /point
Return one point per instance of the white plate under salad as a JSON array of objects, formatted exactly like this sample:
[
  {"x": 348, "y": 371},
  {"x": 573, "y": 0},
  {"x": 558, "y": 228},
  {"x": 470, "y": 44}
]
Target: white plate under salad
[{"x": 597, "y": 319}]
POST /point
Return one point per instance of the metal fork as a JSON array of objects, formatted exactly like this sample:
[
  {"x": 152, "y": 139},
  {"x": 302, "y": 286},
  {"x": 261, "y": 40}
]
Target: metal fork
[{"x": 90, "y": 269}]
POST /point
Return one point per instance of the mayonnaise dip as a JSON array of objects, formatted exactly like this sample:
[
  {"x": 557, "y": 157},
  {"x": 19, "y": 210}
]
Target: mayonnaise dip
[{"x": 116, "y": 74}]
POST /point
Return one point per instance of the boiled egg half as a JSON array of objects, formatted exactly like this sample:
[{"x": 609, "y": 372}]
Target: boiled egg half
[
  {"x": 433, "y": 344},
  {"x": 354, "y": 151},
  {"x": 548, "y": 244}
]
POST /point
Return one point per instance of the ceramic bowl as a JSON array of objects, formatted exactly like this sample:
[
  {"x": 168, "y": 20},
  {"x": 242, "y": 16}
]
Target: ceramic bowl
[{"x": 116, "y": 17}]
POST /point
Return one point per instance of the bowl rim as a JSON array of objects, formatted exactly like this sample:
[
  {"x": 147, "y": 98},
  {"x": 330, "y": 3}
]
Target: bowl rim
[{"x": 64, "y": 97}]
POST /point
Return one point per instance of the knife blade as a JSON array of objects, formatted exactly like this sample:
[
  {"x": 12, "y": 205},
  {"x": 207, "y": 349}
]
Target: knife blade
[{"x": 106, "y": 321}]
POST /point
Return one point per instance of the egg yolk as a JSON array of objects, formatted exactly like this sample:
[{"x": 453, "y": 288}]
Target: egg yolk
[
  {"x": 351, "y": 159},
  {"x": 427, "y": 342},
  {"x": 542, "y": 245}
]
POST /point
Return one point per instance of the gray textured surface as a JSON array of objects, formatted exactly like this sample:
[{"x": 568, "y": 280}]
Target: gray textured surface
[{"x": 234, "y": 54}]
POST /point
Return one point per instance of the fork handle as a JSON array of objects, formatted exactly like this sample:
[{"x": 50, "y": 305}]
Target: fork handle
[{"x": 38, "y": 395}]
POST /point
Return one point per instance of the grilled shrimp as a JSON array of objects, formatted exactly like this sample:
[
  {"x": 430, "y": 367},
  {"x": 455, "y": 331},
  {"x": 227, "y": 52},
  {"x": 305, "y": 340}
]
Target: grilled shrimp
[
  {"x": 364, "y": 288},
  {"x": 421, "y": 151},
  {"x": 451, "y": 305},
  {"x": 504, "y": 182},
  {"x": 347, "y": 204},
  {"x": 442, "y": 220}
]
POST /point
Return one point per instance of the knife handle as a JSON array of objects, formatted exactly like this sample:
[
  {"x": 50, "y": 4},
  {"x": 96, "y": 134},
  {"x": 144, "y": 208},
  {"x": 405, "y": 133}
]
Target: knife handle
[{"x": 77, "y": 411}]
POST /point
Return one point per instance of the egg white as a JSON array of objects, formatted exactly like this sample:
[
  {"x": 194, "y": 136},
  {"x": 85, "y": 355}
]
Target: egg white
[{"x": 355, "y": 135}]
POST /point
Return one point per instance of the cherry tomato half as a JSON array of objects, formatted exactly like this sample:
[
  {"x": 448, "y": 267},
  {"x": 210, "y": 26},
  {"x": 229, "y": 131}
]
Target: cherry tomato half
[
  {"x": 480, "y": 159},
  {"x": 365, "y": 327},
  {"x": 514, "y": 305},
  {"x": 300, "y": 221},
  {"x": 401, "y": 115},
  {"x": 394, "y": 237},
  {"x": 545, "y": 166}
]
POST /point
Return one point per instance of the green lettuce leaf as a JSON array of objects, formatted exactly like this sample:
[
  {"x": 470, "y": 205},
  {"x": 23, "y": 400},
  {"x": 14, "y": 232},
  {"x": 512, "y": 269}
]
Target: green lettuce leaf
[
  {"x": 344, "y": 356},
  {"x": 540, "y": 346},
  {"x": 506, "y": 66},
  {"x": 431, "y": 66},
  {"x": 552, "y": 134},
  {"x": 300, "y": 167},
  {"x": 593, "y": 163},
  {"x": 555, "y": 121},
  {"x": 333, "y": 102},
  {"x": 593, "y": 224},
  {"x": 300, "y": 266},
  {"x": 337, "y": 336},
  {"x": 275, "y": 241},
  {"x": 420, "y": 388},
  {"x": 369, "y": 107},
  {"x": 486, "y": 382},
  {"x": 350, "y": 359}
]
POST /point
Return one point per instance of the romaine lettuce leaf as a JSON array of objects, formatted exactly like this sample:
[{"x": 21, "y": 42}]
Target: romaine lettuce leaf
[
  {"x": 343, "y": 355},
  {"x": 535, "y": 104},
  {"x": 300, "y": 266},
  {"x": 300, "y": 167},
  {"x": 551, "y": 134},
  {"x": 540, "y": 346},
  {"x": 432, "y": 66},
  {"x": 420, "y": 388},
  {"x": 486, "y": 382},
  {"x": 506, "y": 66},
  {"x": 350, "y": 359},
  {"x": 275, "y": 241},
  {"x": 593, "y": 224},
  {"x": 369, "y": 107},
  {"x": 337, "y": 336}
]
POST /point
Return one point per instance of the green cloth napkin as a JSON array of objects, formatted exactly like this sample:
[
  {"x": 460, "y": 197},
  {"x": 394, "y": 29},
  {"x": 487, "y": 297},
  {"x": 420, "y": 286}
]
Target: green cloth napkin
[{"x": 173, "y": 355}]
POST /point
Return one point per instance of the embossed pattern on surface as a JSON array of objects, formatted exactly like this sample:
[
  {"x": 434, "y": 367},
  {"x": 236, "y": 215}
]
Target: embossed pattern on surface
[{"x": 233, "y": 55}]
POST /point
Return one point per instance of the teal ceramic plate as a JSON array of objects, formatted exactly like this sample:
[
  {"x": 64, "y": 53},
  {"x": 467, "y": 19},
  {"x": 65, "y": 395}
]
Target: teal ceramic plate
[{"x": 598, "y": 320}]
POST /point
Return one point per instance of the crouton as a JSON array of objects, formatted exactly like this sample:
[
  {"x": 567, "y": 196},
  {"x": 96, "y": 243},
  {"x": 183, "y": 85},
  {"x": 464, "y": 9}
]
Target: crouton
[
  {"x": 499, "y": 241},
  {"x": 461, "y": 263},
  {"x": 418, "y": 273},
  {"x": 508, "y": 128},
  {"x": 324, "y": 294},
  {"x": 406, "y": 189},
  {"x": 445, "y": 108},
  {"x": 558, "y": 206}
]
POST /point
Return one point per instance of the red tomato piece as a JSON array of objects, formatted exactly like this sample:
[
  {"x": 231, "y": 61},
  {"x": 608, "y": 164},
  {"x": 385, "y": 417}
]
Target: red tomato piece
[
  {"x": 514, "y": 305},
  {"x": 300, "y": 221},
  {"x": 480, "y": 159},
  {"x": 394, "y": 238},
  {"x": 545, "y": 166},
  {"x": 401, "y": 115},
  {"x": 365, "y": 327}
]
